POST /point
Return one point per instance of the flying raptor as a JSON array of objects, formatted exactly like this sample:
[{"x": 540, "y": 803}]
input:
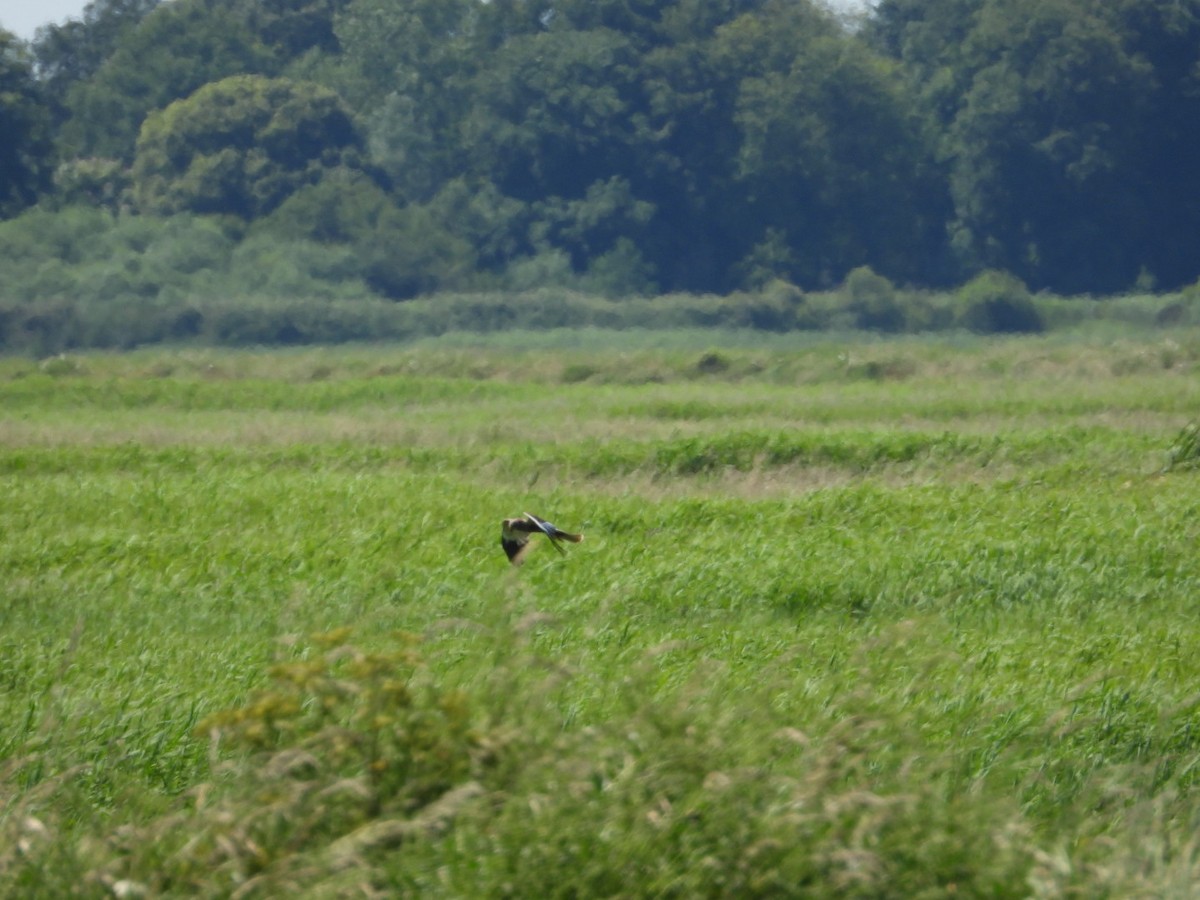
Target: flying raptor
[{"x": 515, "y": 535}]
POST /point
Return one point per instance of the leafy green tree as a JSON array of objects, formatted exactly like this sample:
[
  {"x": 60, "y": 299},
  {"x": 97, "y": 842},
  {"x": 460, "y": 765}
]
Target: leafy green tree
[
  {"x": 1068, "y": 129},
  {"x": 709, "y": 134},
  {"x": 802, "y": 153},
  {"x": 930, "y": 38},
  {"x": 411, "y": 253},
  {"x": 622, "y": 271},
  {"x": 241, "y": 146},
  {"x": 832, "y": 157},
  {"x": 535, "y": 104},
  {"x": 592, "y": 225},
  {"x": 25, "y": 150},
  {"x": 398, "y": 252},
  {"x": 497, "y": 227},
  {"x": 408, "y": 66},
  {"x": 93, "y": 181},
  {"x": 338, "y": 209},
  {"x": 872, "y": 300},
  {"x": 1040, "y": 140},
  {"x": 417, "y": 48},
  {"x": 553, "y": 112},
  {"x": 602, "y": 94},
  {"x": 294, "y": 27},
  {"x": 1160, "y": 180},
  {"x": 998, "y": 303},
  {"x": 687, "y": 146},
  {"x": 74, "y": 51},
  {"x": 175, "y": 50}
]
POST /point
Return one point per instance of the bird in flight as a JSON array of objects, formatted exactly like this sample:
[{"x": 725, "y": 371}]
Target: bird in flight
[{"x": 515, "y": 535}]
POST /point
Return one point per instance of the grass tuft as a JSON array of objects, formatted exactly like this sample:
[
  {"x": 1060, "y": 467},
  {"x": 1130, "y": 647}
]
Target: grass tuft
[{"x": 1184, "y": 453}]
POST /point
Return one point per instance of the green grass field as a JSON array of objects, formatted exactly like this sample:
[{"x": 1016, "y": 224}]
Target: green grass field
[{"x": 853, "y": 618}]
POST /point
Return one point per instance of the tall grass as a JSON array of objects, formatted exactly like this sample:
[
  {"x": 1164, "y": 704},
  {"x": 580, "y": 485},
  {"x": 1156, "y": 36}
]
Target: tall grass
[{"x": 927, "y": 633}]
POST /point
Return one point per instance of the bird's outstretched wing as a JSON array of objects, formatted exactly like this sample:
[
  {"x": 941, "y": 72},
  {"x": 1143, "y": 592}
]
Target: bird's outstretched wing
[
  {"x": 516, "y": 532},
  {"x": 556, "y": 535}
]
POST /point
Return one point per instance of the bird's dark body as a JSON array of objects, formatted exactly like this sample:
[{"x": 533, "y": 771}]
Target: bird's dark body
[{"x": 515, "y": 534}]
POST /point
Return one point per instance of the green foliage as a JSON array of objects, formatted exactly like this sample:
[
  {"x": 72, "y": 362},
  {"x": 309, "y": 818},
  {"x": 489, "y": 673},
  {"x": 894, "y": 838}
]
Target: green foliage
[
  {"x": 666, "y": 800},
  {"x": 100, "y": 183},
  {"x": 1185, "y": 451},
  {"x": 683, "y": 146},
  {"x": 411, "y": 253},
  {"x": 590, "y": 228},
  {"x": 173, "y": 51},
  {"x": 997, "y": 303},
  {"x": 802, "y": 159},
  {"x": 873, "y": 301},
  {"x": 71, "y": 52},
  {"x": 240, "y": 146},
  {"x": 397, "y": 252},
  {"x": 310, "y": 293},
  {"x": 410, "y": 46},
  {"x": 25, "y": 159},
  {"x": 621, "y": 272},
  {"x": 293, "y": 28},
  {"x": 109, "y": 262},
  {"x": 613, "y": 124},
  {"x": 555, "y": 107},
  {"x": 264, "y": 266},
  {"x": 349, "y": 757},
  {"x": 1003, "y": 128},
  {"x": 341, "y": 208},
  {"x": 1027, "y": 97}
]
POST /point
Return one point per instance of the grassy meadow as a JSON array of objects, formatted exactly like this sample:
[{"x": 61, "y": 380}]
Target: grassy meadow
[{"x": 852, "y": 618}]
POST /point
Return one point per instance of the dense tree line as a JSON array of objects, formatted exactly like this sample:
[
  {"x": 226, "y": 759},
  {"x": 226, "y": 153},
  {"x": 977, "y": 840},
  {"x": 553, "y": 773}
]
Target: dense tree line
[{"x": 400, "y": 147}]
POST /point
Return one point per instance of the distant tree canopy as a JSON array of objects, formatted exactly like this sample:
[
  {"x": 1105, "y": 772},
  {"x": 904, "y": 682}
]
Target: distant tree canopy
[
  {"x": 240, "y": 147},
  {"x": 25, "y": 155},
  {"x": 702, "y": 145},
  {"x": 1066, "y": 127},
  {"x": 176, "y": 49},
  {"x": 74, "y": 51},
  {"x": 727, "y": 141}
]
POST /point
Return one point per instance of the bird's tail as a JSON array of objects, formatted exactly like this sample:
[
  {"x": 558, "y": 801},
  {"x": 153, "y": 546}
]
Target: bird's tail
[{"x": 557, "y": 537}]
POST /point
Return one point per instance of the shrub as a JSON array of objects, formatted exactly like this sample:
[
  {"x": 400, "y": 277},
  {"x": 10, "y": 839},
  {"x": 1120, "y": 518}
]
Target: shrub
[
  {"x": 712, "y": 362},
  {"x": 549, "y": 268},
  {"x": 998, "y": 303},
  {"x": 872, "y": 299},
  {"x": 1183, "y": 309},
  {"x": 621, "y": 272},
  {"x": 776, "y": 307},
  {"x": 61, "y": 238},
  {"x": 411, "y": 253},
  {"x": 344, "y": 757},
  {"x": 94, "y": 182},
  {"x": 264, "y": 265}
]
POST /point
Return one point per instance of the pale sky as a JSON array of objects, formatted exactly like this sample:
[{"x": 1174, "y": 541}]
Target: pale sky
[{"x": 22, "y": 17}]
